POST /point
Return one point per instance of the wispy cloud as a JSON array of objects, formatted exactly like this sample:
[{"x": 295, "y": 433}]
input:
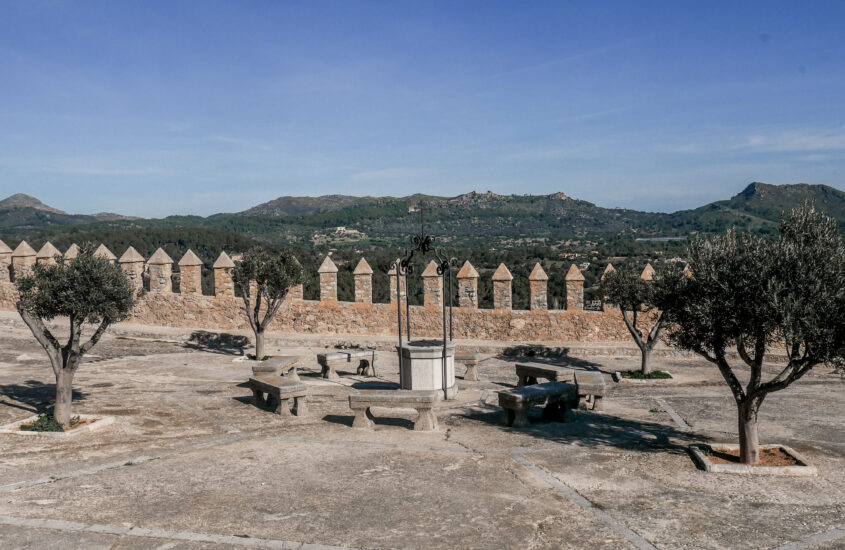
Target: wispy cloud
[
  {"x": 386, "y": 174},
  {"x": 795, "y": 141},
  {"x": 102, "y": 171},
  {"x": 586, "y": 54},
  {"x": 241, "y": 142}
]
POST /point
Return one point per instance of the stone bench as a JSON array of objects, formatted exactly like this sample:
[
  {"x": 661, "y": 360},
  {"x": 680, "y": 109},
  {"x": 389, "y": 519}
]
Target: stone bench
[
  {"x": 280, "y": 392},
  {"x": 528, "y": 373},
  {"x": 470, "y": 361},
  {"x": 558, "y": 397},
  {"x": 284, "y": 365},
  {"x": 590, "y": 386},
  {"x": 366, "y": 362},
  {"x": 421, "y": 400}
]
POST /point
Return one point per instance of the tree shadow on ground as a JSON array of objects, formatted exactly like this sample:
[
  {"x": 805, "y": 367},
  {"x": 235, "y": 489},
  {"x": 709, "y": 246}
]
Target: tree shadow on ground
[
  {"x": 562, "y": 360},
  {"x": 218, "y": 342},
  {"x": 33, "y": 396},
  {"x": 594, "y": 429}
]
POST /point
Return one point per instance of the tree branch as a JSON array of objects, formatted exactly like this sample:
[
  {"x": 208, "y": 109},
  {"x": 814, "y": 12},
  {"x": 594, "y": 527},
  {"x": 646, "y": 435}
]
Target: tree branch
[
  {"x": 729, "y": 376},
  {"x": 632, "y": 328},
  {"x": 42, "y": 335},
  {"x": 86, "y": 347}
]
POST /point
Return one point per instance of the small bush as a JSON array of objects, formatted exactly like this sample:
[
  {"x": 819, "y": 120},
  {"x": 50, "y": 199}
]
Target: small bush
[
  {"x": 45, "y": 423},
  {"x": 251, "y": 357}
]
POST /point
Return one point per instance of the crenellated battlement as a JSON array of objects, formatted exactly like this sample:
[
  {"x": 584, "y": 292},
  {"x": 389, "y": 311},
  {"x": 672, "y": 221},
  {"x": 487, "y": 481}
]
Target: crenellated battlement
[{"x": 189, "y": 307}]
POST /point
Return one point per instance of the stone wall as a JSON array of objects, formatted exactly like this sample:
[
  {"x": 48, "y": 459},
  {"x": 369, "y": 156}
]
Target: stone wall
[{"x": 223, "y": 311}]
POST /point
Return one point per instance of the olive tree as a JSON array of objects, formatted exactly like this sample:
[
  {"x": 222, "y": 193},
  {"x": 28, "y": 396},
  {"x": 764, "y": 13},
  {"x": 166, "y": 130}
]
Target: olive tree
[
  {"x": 756, "y": 294},
  {"x": 266, "y": 279},
  {"x": 87, "y": 290},
  {"x": 636, "y": 299}
]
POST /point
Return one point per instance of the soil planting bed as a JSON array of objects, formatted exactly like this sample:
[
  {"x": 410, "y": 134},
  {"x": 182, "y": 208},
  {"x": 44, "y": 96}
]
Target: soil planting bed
[
  {"x": 625, "y": 378},
  {"x": 774, "y": 460}
]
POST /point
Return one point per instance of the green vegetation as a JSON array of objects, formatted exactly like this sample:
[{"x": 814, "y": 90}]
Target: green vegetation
[
  {"x": 752, "y": 293},
  {"x": 45, "y": 423},
  {"x": 264, "y": 278},
  {"x": 87, "y": 290}
]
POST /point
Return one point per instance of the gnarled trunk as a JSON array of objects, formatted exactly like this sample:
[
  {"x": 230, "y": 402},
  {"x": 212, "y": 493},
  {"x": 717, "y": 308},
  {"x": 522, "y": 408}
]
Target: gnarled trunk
[
  {"x": 64, "y": 396},
  {"x": 259, "y": 345},
  {"x": 749, "y": 442}
]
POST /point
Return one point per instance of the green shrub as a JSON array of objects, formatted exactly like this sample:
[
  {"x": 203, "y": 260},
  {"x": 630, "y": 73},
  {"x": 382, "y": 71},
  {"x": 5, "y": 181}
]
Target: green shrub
[{"x": 45, "y": 423}]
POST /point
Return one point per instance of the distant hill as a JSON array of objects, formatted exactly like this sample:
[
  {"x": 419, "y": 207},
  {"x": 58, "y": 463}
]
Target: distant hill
[
  {"x": 24, "y": 211},
  {"x": 473, "y": 219},
  {"x": 20, "y": 200},
  {"x": 769, "y": 201}
]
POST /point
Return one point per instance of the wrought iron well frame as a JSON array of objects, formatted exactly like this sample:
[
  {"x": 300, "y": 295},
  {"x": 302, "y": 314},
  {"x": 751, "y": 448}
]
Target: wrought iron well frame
[{"x": 424, "y": 244}]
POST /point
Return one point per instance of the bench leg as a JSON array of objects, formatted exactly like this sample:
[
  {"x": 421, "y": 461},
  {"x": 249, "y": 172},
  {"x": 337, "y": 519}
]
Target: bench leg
[
  {"x": 292, "y": 375},
  {"x": 426, "y": 421},
  {"x": 363, "y": 418},
  {"x": 258, "y": 398},
  {"x": 507, "y": 417},
  {"x": 471, "y": 374},
  {"x": 283, "y": 408},
  {"x": 365, "y": 368},
  {"x": 520, "y": 418},
  {"x": 522, "y": 380},
  {"x": 585, "y": 402},
  {"x": 598, "y": 403},
  {"x": 328, "y": 372},
  {"x": 299, "y": 407}
]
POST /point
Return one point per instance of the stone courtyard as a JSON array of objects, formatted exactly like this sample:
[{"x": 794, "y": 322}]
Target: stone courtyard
[{"x": 190, "y": 463}]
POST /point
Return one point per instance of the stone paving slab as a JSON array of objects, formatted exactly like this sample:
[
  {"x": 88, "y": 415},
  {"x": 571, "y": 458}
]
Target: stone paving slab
[{"x": 217, "y": 466}]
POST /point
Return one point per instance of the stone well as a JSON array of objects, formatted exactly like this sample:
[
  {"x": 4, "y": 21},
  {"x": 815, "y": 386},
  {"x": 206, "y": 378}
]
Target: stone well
[{"x": 421, "y": 367}]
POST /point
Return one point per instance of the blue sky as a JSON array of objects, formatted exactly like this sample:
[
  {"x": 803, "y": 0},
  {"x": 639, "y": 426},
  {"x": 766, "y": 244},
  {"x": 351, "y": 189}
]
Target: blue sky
[{"x": 155, "y": 108}]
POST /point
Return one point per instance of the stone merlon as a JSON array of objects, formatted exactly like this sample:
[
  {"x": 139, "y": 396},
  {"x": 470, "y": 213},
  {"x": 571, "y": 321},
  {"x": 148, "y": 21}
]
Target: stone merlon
[
  {"x": 574, "y": 274},
  {"x": 23, "y": 250},
  {"x": 648, "y": 273},
  {"x": 48, "y": 252},
  {"x": 607, "y": 270},
  {"x": 190, "y": 259},
  {"x": 363, "y": 268},
  {"x": 105, "y": 253},
  {"x": 4, "y": 248},
  {"x": 537, "y": 274},
  {"x": 223, "y": 261},
  {"x": 430, "y": 270},
  {"x": 502, "y": 274},
  {"x": 160, "y": 257},
  {"x": 467, "y": 271},
  {"x": 327, "y": 266},
  {"x": 72, "y": 252},
  {"x": 131, "y": 256}
]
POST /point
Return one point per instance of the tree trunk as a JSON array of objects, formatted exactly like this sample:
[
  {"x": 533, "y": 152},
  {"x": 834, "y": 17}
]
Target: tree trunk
[
  {"x": 64, "y": 395},
  {"x": 259, "y": 345},
  {"x": 645, "y": 367},
  {"x": 749, "y": 443}
]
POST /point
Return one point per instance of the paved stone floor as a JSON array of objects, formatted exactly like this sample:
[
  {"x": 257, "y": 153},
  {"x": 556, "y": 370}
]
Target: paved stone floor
[{"x": 189, "y": 463}]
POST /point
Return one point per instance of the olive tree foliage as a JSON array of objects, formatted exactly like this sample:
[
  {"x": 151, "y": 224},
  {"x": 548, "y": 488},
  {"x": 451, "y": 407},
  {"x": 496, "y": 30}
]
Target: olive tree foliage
[
  {"x": 263, "y": 280},
  {"x": 638, "y": 301},
  {"x": 756, "y": 295},
  {"x": 88, "y": 291}
]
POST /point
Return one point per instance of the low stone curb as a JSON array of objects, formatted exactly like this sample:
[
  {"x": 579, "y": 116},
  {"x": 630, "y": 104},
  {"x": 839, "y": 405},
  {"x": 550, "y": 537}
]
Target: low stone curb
[
  {"x": 803, "y": 469},
  {"x": 617, "y": 377},
  {"x": 99, "y": 422}
]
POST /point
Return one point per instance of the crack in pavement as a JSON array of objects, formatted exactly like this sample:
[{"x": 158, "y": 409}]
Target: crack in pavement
[{"x": 577, "y": 498}]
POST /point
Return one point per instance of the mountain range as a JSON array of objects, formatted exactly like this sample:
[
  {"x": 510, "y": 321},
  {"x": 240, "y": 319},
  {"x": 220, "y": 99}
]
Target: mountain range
[{"x": 471, "y": 219}]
